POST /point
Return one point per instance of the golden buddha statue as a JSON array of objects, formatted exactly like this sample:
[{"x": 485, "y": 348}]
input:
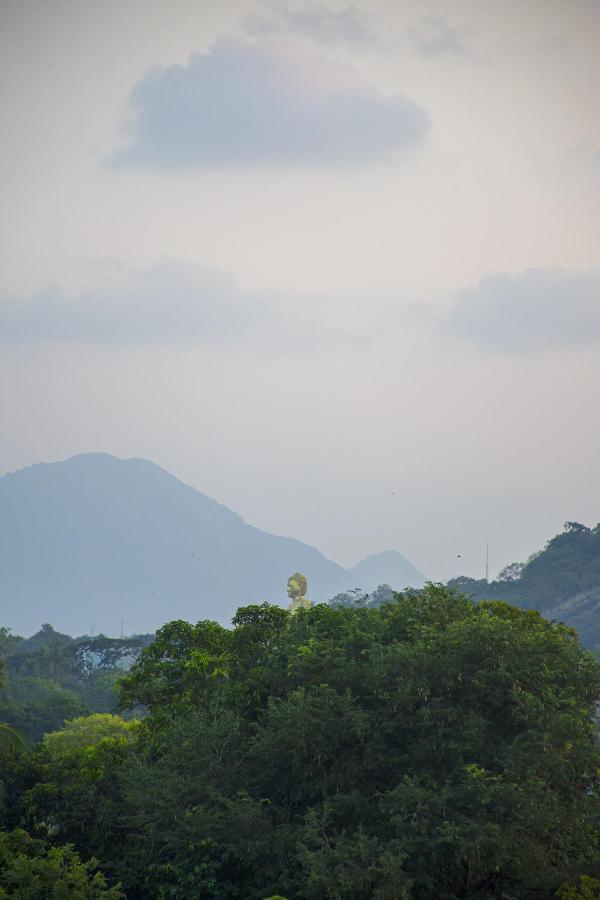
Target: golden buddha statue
[{"x": 296, "y": 589}]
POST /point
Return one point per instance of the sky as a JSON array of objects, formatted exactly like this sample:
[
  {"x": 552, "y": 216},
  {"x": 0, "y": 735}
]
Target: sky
[{"x": 336, "y": 266}]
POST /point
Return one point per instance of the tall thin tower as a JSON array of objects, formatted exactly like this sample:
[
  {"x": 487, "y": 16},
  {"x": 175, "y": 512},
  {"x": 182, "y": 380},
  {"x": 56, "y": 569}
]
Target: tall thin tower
[{"x": 487, "y": 562}]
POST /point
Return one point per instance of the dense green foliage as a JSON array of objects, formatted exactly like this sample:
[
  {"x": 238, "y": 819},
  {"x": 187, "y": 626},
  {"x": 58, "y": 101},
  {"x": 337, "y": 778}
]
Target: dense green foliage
[
  {"x": 36, "y": 705},
  {"x": 51, "y": 677},
  {"x": 357, "y": 598},
  {"x": 587, "y": 889},
  {"x": 562, "y": 581},
  {"x": 33, "y": 869},
  {"x": 30, "y": 870},
  {"x": 427, "y": 748}
]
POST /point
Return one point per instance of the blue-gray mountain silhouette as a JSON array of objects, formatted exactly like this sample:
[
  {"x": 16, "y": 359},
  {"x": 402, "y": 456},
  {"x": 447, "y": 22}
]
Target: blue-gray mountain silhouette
[
  {"x": 95, "y": 539},
  {"x": 388, "y": 567}
]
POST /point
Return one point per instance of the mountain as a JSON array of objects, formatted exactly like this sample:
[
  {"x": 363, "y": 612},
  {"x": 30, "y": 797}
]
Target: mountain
[
  {"x": 388, "y": 567},
  {"x": 96, "y": 539},
  {"x": 562, "y": 581}
]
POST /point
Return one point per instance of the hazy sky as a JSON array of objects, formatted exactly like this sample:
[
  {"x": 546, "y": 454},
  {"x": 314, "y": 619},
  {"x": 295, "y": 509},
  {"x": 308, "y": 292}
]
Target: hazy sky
[{"x": 336, "y": 266}]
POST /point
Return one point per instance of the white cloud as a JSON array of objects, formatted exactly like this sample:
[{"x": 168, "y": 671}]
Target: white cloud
[
  {"x": 264, "y": 103},
  {"x": 170, "y": 301},
  {"x": 174, "y": 302},
  {"x": 536, "y": 311}
]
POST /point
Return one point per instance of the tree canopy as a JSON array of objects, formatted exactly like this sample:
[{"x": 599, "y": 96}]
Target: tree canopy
[{"x": 426, "y": 748}]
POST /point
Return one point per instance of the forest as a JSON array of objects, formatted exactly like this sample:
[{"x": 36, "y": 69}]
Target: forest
[
  {"x": 426, "y": 747},
  {"x": 51, "y": 677},
  {"x": 562, "y": 580}
]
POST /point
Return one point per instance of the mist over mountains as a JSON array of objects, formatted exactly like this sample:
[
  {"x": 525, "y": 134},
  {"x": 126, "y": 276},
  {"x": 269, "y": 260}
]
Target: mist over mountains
[{"x": 95, "y": 540}]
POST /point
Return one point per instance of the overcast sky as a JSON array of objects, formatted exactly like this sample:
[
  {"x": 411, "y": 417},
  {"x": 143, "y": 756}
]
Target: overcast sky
[{"x": 336, "y": 266}]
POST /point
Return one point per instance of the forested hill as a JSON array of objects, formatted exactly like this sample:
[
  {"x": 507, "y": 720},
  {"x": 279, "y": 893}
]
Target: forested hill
[
  {"x": 427, "y": 748},
  {"x": 93, "y": 540},
  {"x": 562, "y": 581}
]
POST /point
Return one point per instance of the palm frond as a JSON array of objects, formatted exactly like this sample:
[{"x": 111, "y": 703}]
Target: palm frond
[{"x": 11, "y": 739}]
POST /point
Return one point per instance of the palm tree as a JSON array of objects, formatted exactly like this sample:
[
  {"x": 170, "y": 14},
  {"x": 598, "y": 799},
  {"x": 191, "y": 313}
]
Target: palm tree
[
  {"x": 11, "y": 739},
  {"x": 13, "y": 742}
]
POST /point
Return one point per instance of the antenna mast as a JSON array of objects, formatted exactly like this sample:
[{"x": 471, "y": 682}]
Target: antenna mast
[{"x": 487, "y": 562}]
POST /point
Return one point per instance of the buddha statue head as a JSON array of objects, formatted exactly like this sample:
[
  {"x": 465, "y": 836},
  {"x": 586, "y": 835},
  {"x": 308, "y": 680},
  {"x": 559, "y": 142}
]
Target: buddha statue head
[{"x": 297, "y": 586}]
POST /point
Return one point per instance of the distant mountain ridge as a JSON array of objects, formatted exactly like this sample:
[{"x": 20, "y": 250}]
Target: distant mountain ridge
[
  {"x": 387, "y": 567},
  {"x": 562, "y": 581},
  {"x": 94, "y": 540}
]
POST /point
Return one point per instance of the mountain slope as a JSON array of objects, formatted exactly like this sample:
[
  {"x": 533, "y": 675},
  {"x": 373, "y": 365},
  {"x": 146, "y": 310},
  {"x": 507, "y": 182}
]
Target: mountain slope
[
  {"x": 562, "y": 581},
  {"x": 95, "y": 539},
  {"x": 388, "y": 567}
]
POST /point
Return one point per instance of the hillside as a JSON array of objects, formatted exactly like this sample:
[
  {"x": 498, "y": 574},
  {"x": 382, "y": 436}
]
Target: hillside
[
  {"x": 388, "y": 567},
  {"x": 91, "y": 541},
  {"x": 562, "y": 581}
]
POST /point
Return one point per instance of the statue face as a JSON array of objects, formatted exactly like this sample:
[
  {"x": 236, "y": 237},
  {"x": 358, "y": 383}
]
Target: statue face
[{"x": 293, "y": 588}]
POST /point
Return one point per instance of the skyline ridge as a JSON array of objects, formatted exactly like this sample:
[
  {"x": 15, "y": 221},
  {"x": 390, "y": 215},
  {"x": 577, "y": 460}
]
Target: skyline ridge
[{"x": 114, "y": 538}]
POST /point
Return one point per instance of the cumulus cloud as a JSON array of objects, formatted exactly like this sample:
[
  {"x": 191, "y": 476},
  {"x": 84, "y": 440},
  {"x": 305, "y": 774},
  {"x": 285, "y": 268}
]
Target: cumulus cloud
[
  {"x": 176, "y": 302},
  {"x": 264, "y": 103},
  {"x": 435, "y": 37},
  {"x": 169, "y": 301},
  {"x": 316, "y": 22},
  {"x": 535, "y": 311}
]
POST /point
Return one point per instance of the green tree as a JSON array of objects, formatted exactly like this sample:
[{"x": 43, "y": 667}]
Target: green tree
[
  {"x": 429, "y": 747},
  {"x": 82, "y": 733},
  {"x": 587, "y": 889},
  {"x": 37, "y": 705},
  {"x": 9, "y": 737},
  {"x": 29, "y": 870},
  {"x": 78, "y": 791},
  {"x": 12, "y": 743}
]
